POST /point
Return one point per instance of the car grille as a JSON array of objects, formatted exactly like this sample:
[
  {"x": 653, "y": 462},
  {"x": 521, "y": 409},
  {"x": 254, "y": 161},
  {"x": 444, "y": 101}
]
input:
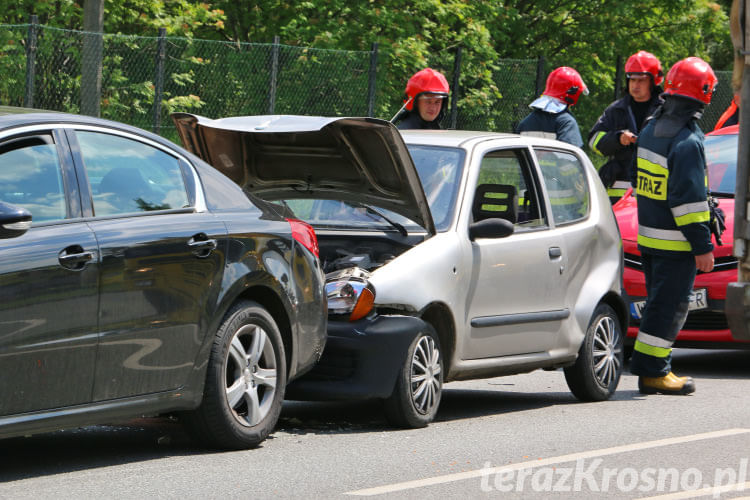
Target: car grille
[
  {"x": 699, "y": 320},
  {"x": 720, "y": 264}
]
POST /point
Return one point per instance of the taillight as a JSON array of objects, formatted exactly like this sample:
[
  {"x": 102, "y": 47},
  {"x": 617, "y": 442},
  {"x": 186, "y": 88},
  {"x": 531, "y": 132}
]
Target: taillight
[{"x": 305, "y": 234}]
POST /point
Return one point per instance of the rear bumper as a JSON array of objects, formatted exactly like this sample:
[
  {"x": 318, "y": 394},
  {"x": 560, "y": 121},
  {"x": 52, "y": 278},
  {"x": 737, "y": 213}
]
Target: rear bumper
[{"x": 361, "y": 360}]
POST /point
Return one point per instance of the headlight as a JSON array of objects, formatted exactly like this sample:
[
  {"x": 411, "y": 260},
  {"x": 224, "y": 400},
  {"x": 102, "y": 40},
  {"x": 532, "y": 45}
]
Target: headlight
[{"x": 350, "y": 292}]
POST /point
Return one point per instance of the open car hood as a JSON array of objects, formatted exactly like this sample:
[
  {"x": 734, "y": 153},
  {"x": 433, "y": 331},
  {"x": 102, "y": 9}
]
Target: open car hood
[{"x": 279, "y": 157}]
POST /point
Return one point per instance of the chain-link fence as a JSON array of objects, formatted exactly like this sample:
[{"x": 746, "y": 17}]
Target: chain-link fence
[{"x": 144, "y": 79}]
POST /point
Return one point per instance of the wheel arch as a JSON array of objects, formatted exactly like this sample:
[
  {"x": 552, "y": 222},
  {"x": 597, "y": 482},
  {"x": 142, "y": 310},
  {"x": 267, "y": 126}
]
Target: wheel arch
[
  {"x": 439, "y": 316},
  {"x": 267, "y": 298},
  {"x": 617, "y": 303}
]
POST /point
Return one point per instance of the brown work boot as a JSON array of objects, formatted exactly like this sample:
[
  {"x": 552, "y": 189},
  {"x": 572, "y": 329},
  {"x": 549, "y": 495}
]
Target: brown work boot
[{"x": 668, "y": 384}]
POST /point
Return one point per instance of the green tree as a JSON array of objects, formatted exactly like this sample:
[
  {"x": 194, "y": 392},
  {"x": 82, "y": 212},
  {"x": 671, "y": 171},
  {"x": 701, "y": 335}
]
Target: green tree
[
  {"x": 588, "y": 35},
  {"x": 500, "y": 40}
]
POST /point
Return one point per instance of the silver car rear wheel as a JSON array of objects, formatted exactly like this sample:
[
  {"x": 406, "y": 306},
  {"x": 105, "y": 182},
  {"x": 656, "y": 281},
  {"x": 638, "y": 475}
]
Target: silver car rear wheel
[
  {"x": 606, "y": 363},
  {"x": 597, "y": 371}
]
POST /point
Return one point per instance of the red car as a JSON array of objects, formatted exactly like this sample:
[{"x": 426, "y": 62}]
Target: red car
[{"x": 706, "y": 325}]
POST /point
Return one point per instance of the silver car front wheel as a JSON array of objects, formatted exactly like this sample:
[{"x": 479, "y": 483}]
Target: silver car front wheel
[{"x": 416, "y": 397}]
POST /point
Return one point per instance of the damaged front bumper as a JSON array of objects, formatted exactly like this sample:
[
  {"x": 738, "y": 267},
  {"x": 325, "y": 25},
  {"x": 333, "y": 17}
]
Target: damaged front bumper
[{"x": 361, "y": 360}]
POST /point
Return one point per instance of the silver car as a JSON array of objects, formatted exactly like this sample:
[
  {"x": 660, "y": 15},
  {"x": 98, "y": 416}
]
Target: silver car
[{"x": 449, "y": 255}]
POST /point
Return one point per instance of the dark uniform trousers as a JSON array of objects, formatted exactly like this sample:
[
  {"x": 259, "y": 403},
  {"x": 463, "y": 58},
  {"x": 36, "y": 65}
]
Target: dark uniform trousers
[{"x": 669, "y": 281}]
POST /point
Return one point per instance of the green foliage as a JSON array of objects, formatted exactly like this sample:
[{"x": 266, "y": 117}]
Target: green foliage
[
  {"x": 588, "y": 35},
  {"x": 220, "y": 61}
]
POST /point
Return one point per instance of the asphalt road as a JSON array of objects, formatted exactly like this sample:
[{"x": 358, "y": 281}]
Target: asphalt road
[{"x": 522, "y": 436}]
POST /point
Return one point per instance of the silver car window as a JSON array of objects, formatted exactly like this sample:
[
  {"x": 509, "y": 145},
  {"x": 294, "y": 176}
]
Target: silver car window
[
  {"x": 566, "y": 185},
  {"x": 506, "y": 188}
]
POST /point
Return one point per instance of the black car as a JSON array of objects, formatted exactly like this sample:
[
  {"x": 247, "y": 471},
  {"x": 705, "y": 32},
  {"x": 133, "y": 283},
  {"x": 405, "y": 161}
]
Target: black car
[{"x": 137, "y": 280}]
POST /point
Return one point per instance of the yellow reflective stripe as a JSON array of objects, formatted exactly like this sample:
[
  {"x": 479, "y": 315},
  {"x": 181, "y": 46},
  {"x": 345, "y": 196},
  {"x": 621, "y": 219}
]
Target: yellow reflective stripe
[
  {"x": 652, "y": 157},
  {"x": 652, "y": 168},
  {"x": 657, "y": 352},
  {"x": 595, "y": 140},
  {"x": 693, "y": 207},
  {"x": 653, "y": 340},
  {"x": 686, "y": 219},
  {"x": 657, "y": 244},
  {"x": 688, "y": 213}
]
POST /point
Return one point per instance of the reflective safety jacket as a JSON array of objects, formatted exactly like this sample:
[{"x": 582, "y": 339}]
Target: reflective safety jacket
[
  {"x": 604, "y": 139},
  {"x": 673, "y": 213},
  {"x": 561, "y": 126}
]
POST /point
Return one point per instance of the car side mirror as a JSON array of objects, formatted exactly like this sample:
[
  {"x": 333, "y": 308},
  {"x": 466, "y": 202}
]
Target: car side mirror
[
  {"x": 491, "y": 228},
  {"x": 14, "y": 221}
]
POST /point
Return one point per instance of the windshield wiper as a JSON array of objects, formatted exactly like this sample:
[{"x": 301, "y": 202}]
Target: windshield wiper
[{"x": 371, "y": 211}]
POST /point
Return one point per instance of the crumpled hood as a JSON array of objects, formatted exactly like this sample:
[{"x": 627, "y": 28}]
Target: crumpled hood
[{"x": 278, "y": 157}]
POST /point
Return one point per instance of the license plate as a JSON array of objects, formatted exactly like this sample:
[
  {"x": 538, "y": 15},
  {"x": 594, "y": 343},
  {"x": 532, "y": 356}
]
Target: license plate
[{"x": 698, "y": 300}]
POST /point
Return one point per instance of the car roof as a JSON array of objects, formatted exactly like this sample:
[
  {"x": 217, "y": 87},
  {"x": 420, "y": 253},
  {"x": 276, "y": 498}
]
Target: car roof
[
  {"x": 11, "y": 117},
  {"x": 469, "y": 138}
]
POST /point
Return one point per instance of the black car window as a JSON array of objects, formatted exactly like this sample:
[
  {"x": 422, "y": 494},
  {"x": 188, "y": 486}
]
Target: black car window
[
  {"x": 30, "y": 176},
  {"x": 129, "y": 176},
  {"x": 506, "y": 188},
  {"x": 566, "y": 185}
]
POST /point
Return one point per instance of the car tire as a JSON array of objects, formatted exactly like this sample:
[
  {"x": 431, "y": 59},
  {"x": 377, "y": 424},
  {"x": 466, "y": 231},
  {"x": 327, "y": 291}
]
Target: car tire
[
  {"x": 597, "y": 371},
  {"x": 245, "y": 381},
  {"x": 416, "y": 397}
]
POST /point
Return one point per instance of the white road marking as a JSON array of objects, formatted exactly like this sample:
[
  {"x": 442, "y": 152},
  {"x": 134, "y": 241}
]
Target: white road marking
[{"x": 462, "y": 476}]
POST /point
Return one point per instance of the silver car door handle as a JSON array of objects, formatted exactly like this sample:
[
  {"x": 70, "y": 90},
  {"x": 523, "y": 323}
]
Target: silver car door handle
[{"x": 555, "y": 252}]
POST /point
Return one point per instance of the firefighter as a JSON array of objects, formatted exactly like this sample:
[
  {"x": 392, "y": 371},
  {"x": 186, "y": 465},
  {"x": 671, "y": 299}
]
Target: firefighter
[
  {"x": 615, "y": 133},
  {"x": 550, "y": 116},
  {"x": 425, "y": 102},
  {"x": 674, "y": 237}
]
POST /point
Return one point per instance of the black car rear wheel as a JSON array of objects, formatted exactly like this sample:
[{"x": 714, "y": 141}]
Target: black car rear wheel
[
  {"x": 596, "y": 372},
  {"x": 245, "y": 381},
  {"x": 416, "y": 397}
]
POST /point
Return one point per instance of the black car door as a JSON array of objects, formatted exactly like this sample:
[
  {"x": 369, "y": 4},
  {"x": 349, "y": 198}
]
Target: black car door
[
  {"x": 162, "y": 259},
  {"x": 48, "y": 280}
]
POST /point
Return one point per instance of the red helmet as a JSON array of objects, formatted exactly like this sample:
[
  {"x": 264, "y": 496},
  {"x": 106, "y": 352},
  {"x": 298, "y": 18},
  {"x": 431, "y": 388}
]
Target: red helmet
[
  {"x": 644, "y": 63},
  {"x": 426, "y": 81},
  {"x": 693, "y": 78},
  {"x": 566, "y": 84}
]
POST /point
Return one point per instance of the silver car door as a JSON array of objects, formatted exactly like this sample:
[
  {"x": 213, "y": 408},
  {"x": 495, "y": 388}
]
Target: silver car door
[{"x": 516, "y": 303}]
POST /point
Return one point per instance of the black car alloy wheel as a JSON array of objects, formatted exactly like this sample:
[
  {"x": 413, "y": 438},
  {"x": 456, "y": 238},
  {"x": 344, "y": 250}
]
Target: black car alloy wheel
[{"x": 245, "y": 381}]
